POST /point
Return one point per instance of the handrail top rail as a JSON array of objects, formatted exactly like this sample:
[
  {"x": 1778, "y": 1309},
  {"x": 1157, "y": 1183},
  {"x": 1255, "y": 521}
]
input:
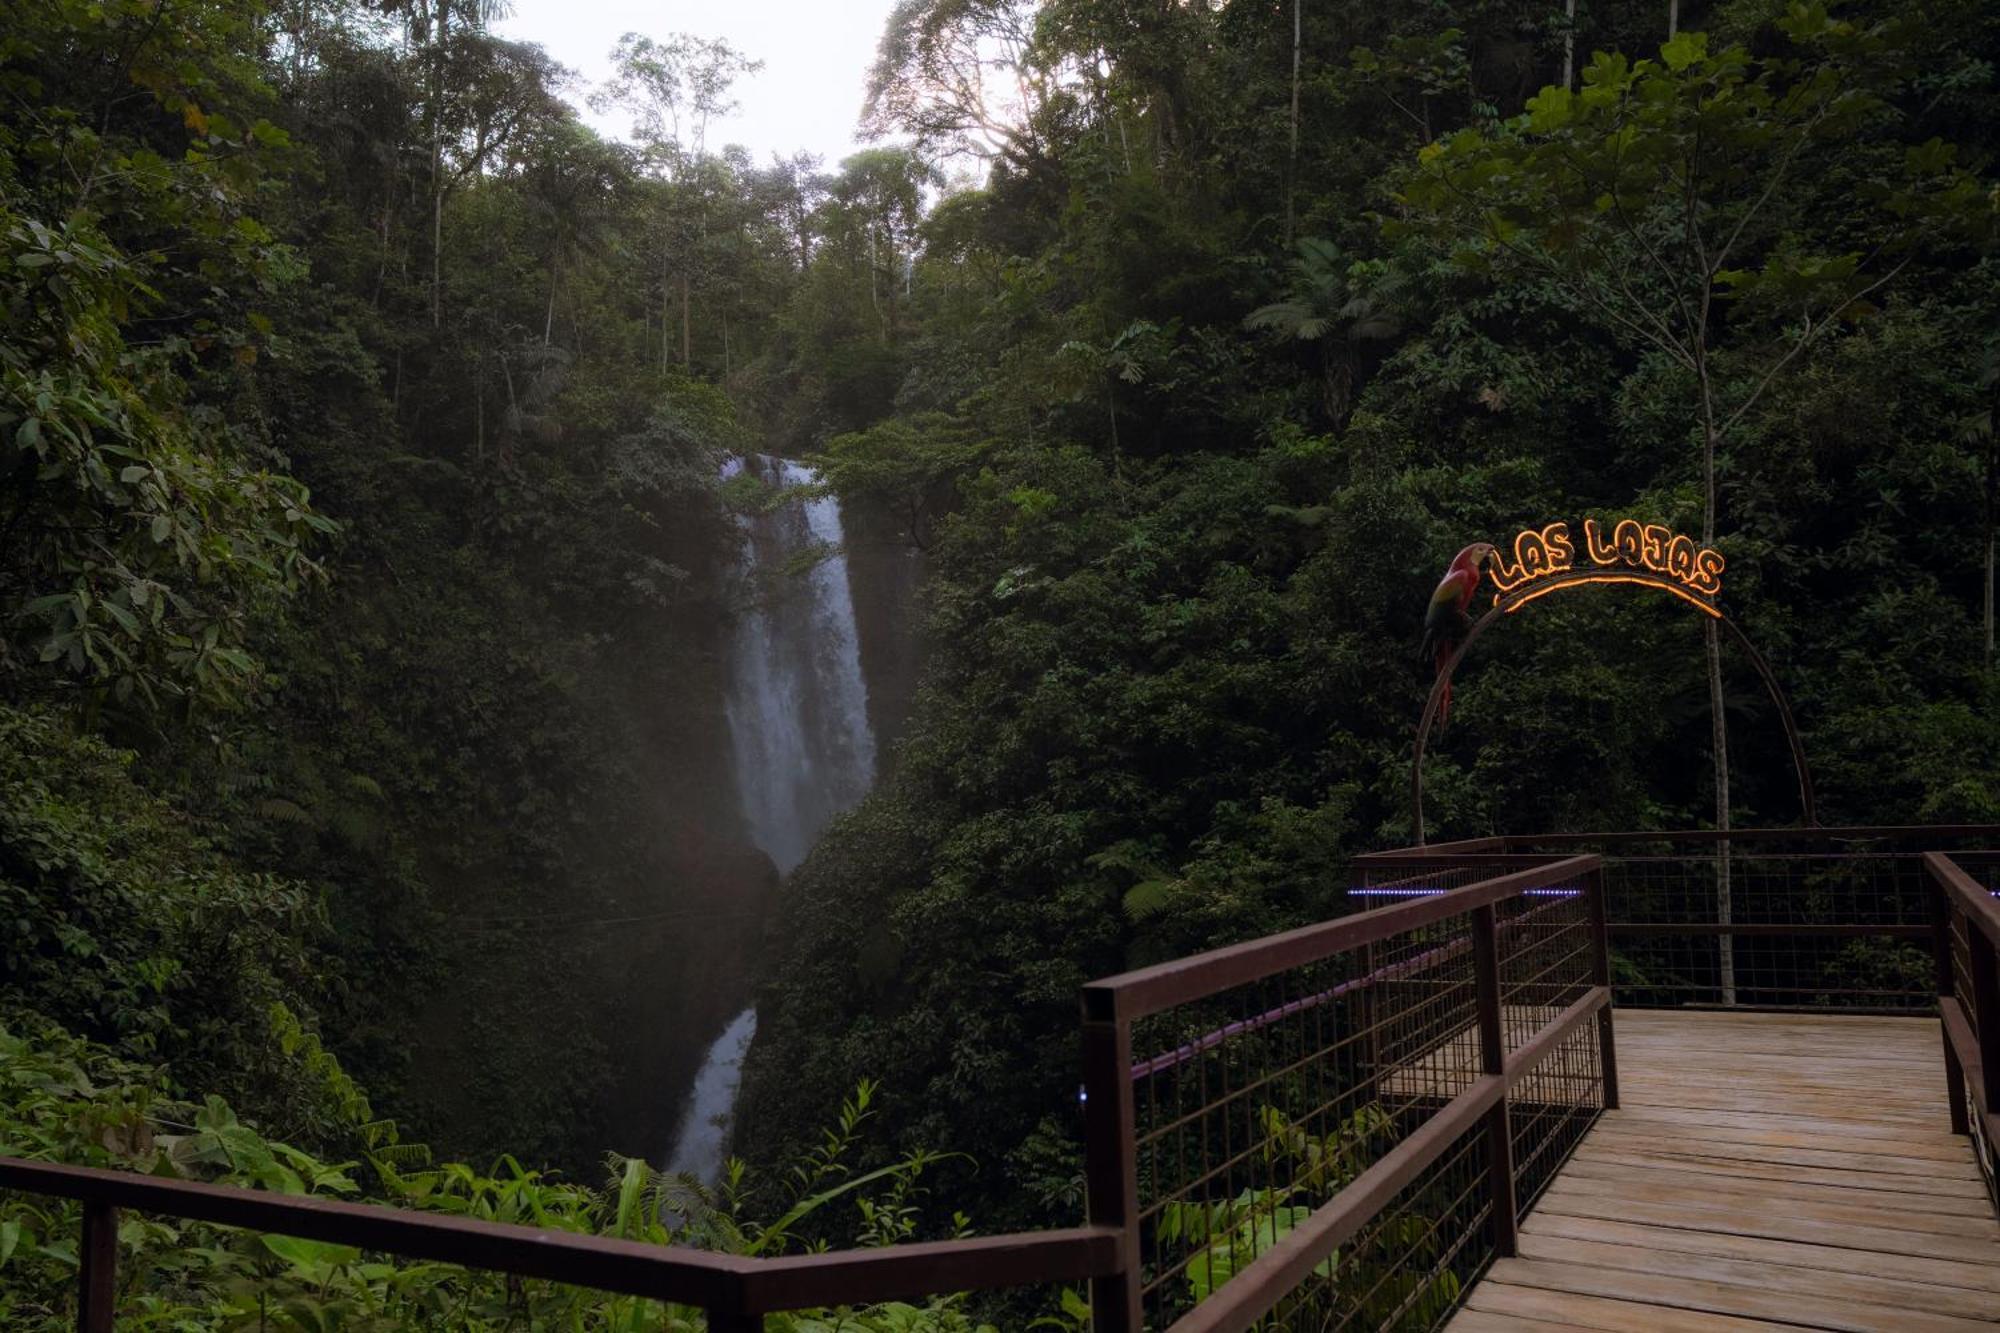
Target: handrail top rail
[
  {"x": 1966, "y": 893},
  {"x": 1521, "y": 842},
  {"x": 1148, "y": 990},
  {"x": 674, "y": 1273},
  {"x": 1491, "y": 843}
]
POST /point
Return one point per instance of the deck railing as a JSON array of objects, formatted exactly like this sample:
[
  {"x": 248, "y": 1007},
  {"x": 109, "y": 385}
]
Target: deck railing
[
  {"x": 734, "y": 1291},
  {"x": 1339, "y": 1126},
  {"x": 1895, "y": 920},
  {"x": 1809, "y": 918},
  {"x": 1343, "y": 1122},
  {"x": 1966, "y": 955},
  {"x": 1335, "y": 1127}
]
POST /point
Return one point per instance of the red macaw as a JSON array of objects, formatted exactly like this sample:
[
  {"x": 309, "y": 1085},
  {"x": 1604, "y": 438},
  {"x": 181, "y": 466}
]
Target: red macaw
[{"x": 1447, "y": 622}]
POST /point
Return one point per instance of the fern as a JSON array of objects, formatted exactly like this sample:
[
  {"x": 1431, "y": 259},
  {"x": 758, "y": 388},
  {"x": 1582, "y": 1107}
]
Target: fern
[{"x": 1150, "y": 897}]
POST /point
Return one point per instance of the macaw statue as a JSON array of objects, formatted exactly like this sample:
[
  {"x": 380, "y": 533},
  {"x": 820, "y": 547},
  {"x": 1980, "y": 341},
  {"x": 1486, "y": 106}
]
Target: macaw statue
[{"x": 1448, "y": 620}]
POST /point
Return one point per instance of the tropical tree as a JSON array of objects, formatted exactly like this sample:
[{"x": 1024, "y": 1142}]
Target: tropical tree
[
  {"x": 1342, "y": 308},
  {"x": 956, "y": 75},
  {"x": 674, "y": 89}
]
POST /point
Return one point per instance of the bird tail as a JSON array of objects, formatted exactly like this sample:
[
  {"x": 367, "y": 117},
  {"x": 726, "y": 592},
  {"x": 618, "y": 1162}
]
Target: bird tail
[{"x": 1444, "y": 697}]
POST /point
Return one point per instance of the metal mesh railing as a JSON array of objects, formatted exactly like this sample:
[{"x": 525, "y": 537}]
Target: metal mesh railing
[
  {"x": 1809, "y": 929},
  {"x": 1264, "y": 1102},
  {"x": 1408, "y": 1266},
  {"x": 1319, "y": 1125},
  {"x": 1961, "y": 967},
  {"x": 1551, "y": 1110},
  {"x": 1788, "y": 919},
  {"x": 1547, "y": 951},
  {"x": 1547, "y": 945},
  {"x": 1333, "y": 1128}
]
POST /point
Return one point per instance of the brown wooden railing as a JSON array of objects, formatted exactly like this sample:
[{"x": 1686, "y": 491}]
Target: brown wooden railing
[
  {"x": 1353, "y": 1107},
  {"x": 1338, "y": 1126},
  {"x": 1966, "y": 948},
  {"x": 735, "y": 1291},
  {"x": 1391, "y": 1088},
  {"x": 1786, "y": 918}
]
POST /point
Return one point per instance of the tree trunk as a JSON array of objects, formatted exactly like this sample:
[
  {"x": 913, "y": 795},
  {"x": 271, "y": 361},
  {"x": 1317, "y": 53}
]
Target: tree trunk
[
  {"x": 686, "y": 343},
  {"x": 549, "y": 319},
  {"x": 1992, "y": 503},
  {"x": 874, "y": 295},
  {"x": 437, "y": 172},
  {"x": 1292, "y": 162},
  {"x": 1569, "y": 43},
  {"x": 1111, "y": 414},
  {"x": 1673, "y": 18},
  {"x": 437, "y": 254},
  {"x": 1719, "y": 739},
  {"x": 1718, "y": 718}
]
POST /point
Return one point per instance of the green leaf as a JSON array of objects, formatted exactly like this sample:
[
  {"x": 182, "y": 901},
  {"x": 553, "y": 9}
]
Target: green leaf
[
  {"x": 310, "y": 1254},
  {"x": 1550, "y": 109},
  {"x": 1684, "y": 50},
  {"x": 126, "y": 620}
]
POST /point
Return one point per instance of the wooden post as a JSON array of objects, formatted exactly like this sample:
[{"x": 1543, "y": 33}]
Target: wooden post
[
  {"x": 1493, "y": 1059},
  {"x": 97, "y": 1269},
  {"x": 1111, "y": 1158},
  {"x": 1600, "y": 972},
  {"x": 1986, "y": 1013},
  {"x": 1941, "y": 954}
]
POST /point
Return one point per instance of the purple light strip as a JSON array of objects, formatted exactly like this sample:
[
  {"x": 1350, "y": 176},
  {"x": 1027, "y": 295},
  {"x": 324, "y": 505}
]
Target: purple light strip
[
  {"x": 1210, "y": 1040},
  {"x": 1525, "y": 893}
]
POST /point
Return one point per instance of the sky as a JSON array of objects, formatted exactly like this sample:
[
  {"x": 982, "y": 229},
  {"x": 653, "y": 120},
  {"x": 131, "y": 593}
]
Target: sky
[{"x": 816, "y": 55}]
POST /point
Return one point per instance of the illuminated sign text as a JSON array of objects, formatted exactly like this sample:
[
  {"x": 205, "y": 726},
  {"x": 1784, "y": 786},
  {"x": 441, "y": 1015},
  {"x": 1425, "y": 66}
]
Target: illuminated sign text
[{"x": 1690, "y": 571}]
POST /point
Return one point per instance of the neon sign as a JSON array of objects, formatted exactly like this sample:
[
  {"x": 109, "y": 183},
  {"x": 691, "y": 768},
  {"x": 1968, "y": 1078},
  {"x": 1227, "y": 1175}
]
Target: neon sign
[{"x": 1684, "y": 568}]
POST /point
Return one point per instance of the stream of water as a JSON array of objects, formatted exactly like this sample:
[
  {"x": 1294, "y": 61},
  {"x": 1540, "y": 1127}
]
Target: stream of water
[{"x": 800, "y": 735}]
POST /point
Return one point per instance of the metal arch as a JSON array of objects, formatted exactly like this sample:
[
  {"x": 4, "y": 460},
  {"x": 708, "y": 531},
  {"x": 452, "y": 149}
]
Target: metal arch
[{"x": 1582, "y": 578}]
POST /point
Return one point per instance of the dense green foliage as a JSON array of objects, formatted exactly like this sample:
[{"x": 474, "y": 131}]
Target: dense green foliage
[
  {"x": 423, "y": 693},
  {"x": 69, "y": 1100},
  {"x": 1201, "y": 482},
  {"x": 363, "y": 591}
]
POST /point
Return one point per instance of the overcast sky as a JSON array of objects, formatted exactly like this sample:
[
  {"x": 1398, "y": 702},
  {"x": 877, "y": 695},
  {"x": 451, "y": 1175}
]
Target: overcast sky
[{"x": 816, "y": 55}]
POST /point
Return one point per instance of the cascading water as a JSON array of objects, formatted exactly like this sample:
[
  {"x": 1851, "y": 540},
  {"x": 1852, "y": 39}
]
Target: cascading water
[
  {"x": 798, "y": 705},
  {"x": 703, "y": 1137},
  {"x": 803, "y": 746}
]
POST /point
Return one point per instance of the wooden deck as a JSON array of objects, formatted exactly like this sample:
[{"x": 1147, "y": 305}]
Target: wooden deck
[{"x": 1765, "y": 1172}]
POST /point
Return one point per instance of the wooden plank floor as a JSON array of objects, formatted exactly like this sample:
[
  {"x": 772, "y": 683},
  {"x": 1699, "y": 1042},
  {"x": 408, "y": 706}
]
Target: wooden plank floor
[{"x": 1766, "y": 1171}]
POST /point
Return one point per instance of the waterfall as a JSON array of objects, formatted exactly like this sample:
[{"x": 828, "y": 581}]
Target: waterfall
[
  {"x": 703, "y": 1136},
  {"x": 803, "y": 747},
  {"x": 798, "y": 706}
]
